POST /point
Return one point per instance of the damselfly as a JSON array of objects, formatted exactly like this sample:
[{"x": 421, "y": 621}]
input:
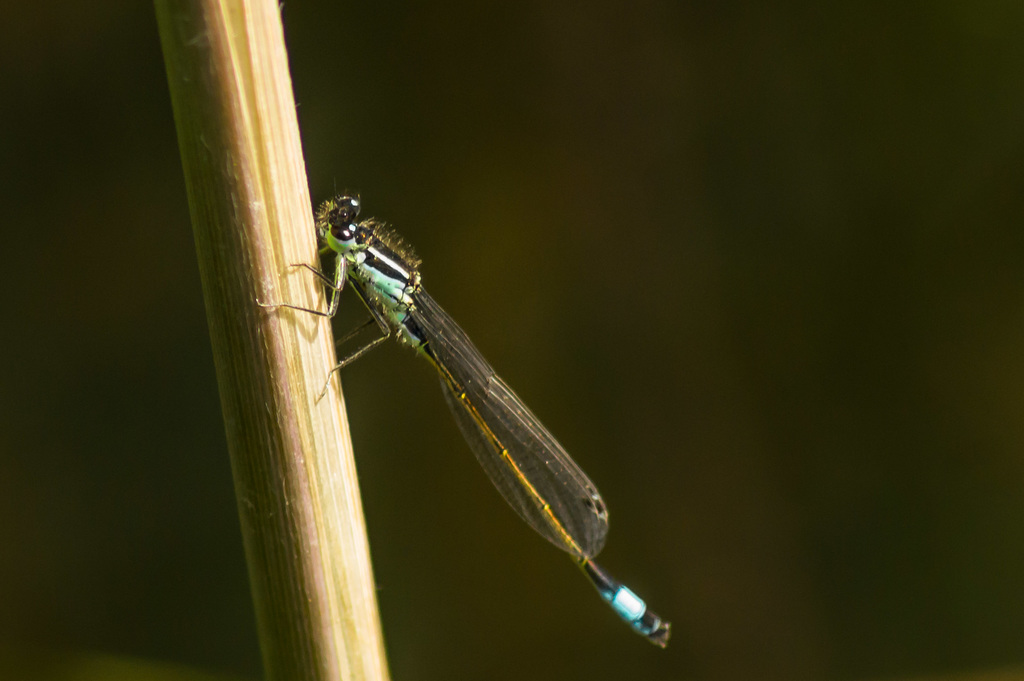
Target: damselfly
[{"x": 527, "y": 465}]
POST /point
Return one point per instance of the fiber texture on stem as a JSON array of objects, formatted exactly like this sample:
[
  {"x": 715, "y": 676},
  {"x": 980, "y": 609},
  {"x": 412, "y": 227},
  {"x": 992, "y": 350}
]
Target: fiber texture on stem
[{"x": 291, "y": 457}]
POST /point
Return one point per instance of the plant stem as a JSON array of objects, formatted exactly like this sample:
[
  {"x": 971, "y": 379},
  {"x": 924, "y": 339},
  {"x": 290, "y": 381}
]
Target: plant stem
[{"x": 301, "y": 515}]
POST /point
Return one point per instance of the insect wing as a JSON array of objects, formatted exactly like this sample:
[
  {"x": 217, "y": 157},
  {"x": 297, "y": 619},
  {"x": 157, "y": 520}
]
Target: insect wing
[{"x": 523, "y": 460}]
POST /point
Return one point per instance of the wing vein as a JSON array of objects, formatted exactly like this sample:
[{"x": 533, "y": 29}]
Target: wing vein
[{"x": 522, "y": 459}]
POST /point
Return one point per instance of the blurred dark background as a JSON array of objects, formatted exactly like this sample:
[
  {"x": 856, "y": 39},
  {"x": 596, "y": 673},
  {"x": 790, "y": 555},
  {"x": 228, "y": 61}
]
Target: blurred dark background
[{"x": 758, "y": 266}]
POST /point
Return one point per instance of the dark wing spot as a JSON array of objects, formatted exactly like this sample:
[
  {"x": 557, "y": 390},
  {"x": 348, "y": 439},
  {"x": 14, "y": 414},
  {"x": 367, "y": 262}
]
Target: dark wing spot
[{"x": 596, "y": 505}]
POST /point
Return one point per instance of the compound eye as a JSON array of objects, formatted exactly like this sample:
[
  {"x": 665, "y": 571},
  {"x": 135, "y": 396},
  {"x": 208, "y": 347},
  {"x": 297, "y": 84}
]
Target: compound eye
[
  {"x": 345, "y": 232},
  {"x": 346, "y": 210}
]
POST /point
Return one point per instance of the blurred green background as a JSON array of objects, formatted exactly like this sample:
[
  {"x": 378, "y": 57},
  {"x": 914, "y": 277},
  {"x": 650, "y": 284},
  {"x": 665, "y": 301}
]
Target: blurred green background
[{"x": 758, "y": 266}]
